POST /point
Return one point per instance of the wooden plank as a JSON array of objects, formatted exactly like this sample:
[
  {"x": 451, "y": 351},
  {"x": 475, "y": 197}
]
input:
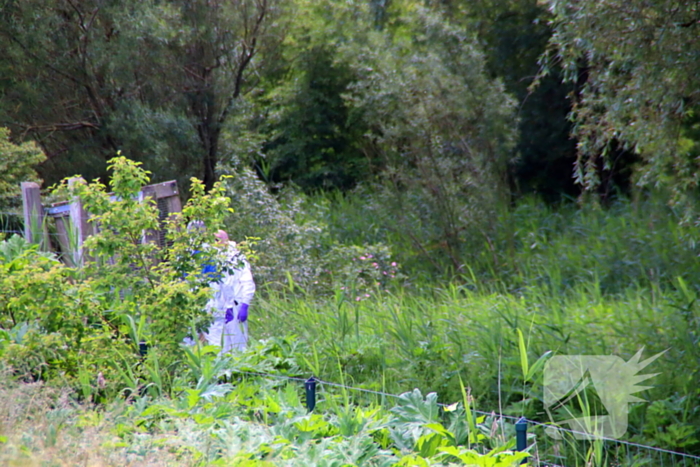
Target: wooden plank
[
  {"x": 174, "y": 204},
  {"x": 149, "y": 195},
  {"x": 72, "y": 224},
  {"x": 163, "y": 190},
  {"x": 63, "y": 240},
  {"x": 167, "y": 199},
  {"x": 60, "y": 213},
  {"x": 79, "y": 225}
]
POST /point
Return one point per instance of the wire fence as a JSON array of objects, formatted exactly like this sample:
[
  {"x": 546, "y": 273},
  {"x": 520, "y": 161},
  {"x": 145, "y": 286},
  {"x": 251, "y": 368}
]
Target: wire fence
[
  {"x": 10, "y": 223},
  {"x": 567, "y": 451}
]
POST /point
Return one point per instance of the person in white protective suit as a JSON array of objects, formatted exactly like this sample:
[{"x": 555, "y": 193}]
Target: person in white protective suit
[{"x": 233, "y": 292}]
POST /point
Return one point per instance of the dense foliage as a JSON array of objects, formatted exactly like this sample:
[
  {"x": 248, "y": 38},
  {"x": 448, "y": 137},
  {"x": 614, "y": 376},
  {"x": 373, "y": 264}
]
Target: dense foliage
[
  {"x": 573, "y": 289},
  {"x": 156, "y": 79},
  {"x": 17, "y": 165},
  {"x": 120, "y": 291},
  {"x": 388, "y": 164},
  {"x": 636, "y": 64}
]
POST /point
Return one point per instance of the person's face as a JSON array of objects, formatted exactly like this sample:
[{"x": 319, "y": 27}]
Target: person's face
[{"x": 220, "y": 238}]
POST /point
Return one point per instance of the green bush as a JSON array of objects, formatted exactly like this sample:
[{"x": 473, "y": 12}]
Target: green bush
[
  {"x": 17, "y": 163},
  {"x": 295, "y": 249},
  {"x": 88, "y": 320}
]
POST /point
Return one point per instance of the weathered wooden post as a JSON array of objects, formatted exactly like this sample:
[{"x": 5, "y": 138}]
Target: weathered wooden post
[
  {"x": 34, "y": 227},
  {"x": 79, "y": 224}
]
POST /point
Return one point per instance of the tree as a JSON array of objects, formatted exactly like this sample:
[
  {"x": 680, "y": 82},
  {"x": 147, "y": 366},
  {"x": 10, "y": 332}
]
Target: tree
[
  {"x": 310, "y": 136},
  {"x": 217, "y": 60},
  {"x": 156, "y": 78},
  {"x": 17, "y": 162},
  {"x": 312, "y": 139},
  {"x": 636, "y": 64},
  {"x": 513, "y": 34},
  {"x": 442, "y": 128}
]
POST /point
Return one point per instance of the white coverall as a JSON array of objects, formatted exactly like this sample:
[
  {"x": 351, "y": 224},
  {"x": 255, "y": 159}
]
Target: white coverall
[{"x": 235, "y": 288}]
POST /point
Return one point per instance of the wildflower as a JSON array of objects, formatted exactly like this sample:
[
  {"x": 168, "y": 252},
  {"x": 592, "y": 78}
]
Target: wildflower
[
  {"x": 393, "y": 264},
  {"x": 367, "y": 295},
  {"x": 362, "y": 258},
  {"x": 101, "y": 382},
  {"x": 384, "y": 272},
  {"x": 375, "y": 265},
  {"x": 357, "y": 299}
]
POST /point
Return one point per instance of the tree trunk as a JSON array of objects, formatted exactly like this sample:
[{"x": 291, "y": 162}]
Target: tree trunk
[{"x": 210, "y": 159}]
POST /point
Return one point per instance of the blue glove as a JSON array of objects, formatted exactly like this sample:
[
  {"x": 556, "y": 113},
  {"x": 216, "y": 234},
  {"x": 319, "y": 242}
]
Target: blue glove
[
  {"x": 229, "y": 315},
  {"x": 209, "y": 271},
  {"x": 243, "y": 312}
]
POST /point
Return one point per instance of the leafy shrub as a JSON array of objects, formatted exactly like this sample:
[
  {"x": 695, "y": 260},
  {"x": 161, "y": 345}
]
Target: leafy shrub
[
  {"x": 369, "y": 269},
  {"x": 668, "y": 424},
  {"x": 295, "y": 249},
  {"x": 285, "y": 246},
  {"x": 443, "y": 130},
  {"x": 89, "y": 320},
  {"x": 17, "y": 162}
]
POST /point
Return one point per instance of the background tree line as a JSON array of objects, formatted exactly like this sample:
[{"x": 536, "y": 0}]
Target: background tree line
[
  {"x": 161, "y": 80},
  {"x": 435, "y": 111}
]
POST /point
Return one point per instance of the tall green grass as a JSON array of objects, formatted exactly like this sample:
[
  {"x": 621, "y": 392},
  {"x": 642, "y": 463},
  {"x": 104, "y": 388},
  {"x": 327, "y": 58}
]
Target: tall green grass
[
  {"x": 535, "y": 245},
  {"x": 403, "y": 339},
  {"x": 543, "y": 280},
  {"x": 573, "y": 280}
]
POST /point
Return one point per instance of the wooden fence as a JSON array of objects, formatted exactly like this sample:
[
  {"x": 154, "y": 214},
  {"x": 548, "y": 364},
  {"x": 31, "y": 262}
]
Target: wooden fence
[{"x": 71, "y": 220}]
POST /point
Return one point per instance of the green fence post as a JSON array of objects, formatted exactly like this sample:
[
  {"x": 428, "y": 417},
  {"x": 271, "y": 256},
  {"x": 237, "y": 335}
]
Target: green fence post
[
  {"x": 310, "y": 386},
  {"x": 521, "y": 436}
]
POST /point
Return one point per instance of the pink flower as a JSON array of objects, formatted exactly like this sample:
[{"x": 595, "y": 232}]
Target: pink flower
[
  {"x": 375, "y": 265},
  {"x": 393, "y": 264},
  {"x": 362, "y": 258}
]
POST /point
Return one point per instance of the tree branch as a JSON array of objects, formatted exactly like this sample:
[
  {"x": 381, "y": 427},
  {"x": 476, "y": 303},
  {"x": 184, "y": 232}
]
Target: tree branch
[
  {"x": 62, "y": 127},
  {"x": 692, "y": 22},
  {"x": 244, "y": 60}
]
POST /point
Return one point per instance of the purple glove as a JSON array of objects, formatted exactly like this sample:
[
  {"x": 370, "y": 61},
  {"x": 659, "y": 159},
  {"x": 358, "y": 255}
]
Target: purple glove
[
  {"x": 229, "y": 315},
  {"x": 243, "y": 312}
]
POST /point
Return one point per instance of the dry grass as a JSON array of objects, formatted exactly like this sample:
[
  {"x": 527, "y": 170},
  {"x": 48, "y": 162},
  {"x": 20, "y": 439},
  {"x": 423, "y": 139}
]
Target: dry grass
[{"x": 44, "y": 426}]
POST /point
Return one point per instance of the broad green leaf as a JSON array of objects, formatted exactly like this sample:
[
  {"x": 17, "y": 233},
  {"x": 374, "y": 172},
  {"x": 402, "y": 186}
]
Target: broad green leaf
[
  {"x": 523, "y": 354},
  {"x": 538, "y": 365}
]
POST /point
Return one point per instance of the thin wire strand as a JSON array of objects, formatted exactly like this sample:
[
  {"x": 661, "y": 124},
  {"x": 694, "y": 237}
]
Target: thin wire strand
[
  {"x": 685, "y": 456},
  {"x": 613, "y": 440},
  {"x": 369, "y": 391}
]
